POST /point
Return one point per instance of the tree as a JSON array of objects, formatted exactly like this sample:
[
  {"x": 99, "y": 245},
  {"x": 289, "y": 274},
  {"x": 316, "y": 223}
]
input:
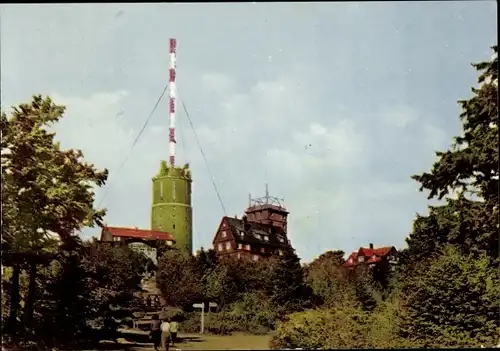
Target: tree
[
  {"x": 469, "y": 168},
  {"x": 290, "y": 293},
  {"x": 46, "y": 192},
  {"x": 179, "y": 279},
  {"x": 326, "y": 276},
  {"x": 88, "y": 294},
  {"x": 452, "y": 300}
]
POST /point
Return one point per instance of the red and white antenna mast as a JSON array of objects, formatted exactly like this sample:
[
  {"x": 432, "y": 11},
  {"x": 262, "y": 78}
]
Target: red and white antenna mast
[{"x": 172, "y": 100}]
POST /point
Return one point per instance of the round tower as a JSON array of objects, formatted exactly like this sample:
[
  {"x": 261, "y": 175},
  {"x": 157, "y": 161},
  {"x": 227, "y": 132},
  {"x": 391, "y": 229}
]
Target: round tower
[{"x": 171, "y": 211}]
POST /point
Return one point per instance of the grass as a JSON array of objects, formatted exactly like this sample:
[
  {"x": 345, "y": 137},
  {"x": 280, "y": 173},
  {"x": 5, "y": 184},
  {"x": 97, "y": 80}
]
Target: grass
[
  {"x": 225, "y": 342},
  {"x": 138, "y": 341}
]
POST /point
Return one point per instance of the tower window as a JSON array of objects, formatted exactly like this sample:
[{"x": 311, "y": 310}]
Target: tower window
[
  {"x": 173, "y": 190},
  {"x": 161, "y": 190},
  {"x": 173, "y": 226}
]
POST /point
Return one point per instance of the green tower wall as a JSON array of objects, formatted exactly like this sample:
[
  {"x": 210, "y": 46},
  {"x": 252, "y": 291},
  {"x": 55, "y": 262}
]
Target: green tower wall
[{"x": 171, "y": 211}]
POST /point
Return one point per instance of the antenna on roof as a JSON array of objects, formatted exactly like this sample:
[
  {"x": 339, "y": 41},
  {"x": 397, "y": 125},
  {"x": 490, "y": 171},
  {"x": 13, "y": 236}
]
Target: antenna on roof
[{"x": 265, "y": 200}]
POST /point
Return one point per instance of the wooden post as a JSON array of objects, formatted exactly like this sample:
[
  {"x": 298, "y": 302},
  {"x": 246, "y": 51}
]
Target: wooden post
[
  {"x": 30, "y": 301},
  {"x": 202, "y": 319},
  {"x": 14, "y": 297}
]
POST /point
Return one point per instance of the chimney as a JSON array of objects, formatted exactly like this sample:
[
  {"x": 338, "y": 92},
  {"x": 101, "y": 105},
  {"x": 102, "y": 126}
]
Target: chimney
[
  {"x": 371, "y": 246},
  {"x": 246, "y": 225}
]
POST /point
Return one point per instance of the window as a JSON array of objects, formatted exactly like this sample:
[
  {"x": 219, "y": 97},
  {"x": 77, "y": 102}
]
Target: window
[
  {"x": 280, "y": 238},
  {"x": 247, "y": 247},
  {"x": 262, "y": 249},
  {"x": 361, "y": 259},
  {"x": 242, "y": 233},
  {"x": 219, "y": 247},
  {"x": 258, "y": 236},
  {"x": 161, "y": 190},
  {"x": 239, "y": 255},
  {"x": 240, "y": 246},
  {"x": 173, "y": 190},
  {"x": 280, "y": 252},
  {"x": 255, "y": 257},
  {"x": 224, "y": 234},
  {"x": 228, "y": 245},
  {"x": 266, "y": 238}
]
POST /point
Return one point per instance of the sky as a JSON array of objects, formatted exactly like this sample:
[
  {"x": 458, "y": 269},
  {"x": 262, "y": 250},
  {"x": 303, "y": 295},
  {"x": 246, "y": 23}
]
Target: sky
[{"x": 334, "y": 105}]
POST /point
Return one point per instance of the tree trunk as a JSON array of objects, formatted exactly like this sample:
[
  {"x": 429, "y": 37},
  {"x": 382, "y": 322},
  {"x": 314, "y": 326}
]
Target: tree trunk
[
  {"x": 30, "y": 301},
  {"x": 14, "y": 298}
]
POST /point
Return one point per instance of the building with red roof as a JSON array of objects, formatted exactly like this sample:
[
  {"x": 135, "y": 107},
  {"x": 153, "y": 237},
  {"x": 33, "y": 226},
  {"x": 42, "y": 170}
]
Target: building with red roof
[
  {"x": 142, "y": 240},
  {"x": 135, "y": 234},
  {"x": 383, "y": 256}
]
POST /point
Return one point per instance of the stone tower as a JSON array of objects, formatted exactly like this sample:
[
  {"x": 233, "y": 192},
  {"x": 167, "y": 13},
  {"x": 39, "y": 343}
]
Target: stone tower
[{"x": 171, "y": 211}]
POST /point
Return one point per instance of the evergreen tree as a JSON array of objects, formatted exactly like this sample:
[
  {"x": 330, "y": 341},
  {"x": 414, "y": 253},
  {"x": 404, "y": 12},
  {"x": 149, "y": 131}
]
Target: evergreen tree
[
  {"x": 469, "y": 168},
  {"x": 290, "y": 292}
]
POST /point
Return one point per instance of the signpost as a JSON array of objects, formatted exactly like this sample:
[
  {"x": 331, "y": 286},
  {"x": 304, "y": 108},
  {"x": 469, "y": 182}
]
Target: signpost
[{"x": 202, "y": 307}]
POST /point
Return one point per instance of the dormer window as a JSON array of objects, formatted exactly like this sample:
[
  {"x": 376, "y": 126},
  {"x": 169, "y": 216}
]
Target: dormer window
[
  {"x": 361, "y": 259},
  {"x": 242, "y": 234},
  {"x": 266, "y": 238},
  {"x": 280, "y": 238},
  {"x": 258, "y": 236}
]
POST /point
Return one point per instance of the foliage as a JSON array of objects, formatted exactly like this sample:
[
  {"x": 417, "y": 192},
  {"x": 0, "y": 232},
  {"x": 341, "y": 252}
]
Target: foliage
[
  {"x": 178, "y": 278},
  {"x": 290, "y": 291},
  {"x": 323, "y": 328},
  {"x": 326, "y": 276},
  {"x": 45, "y": 190},
  {"x": 87, "y": 294},
  {"x": 452, "y": 301},
  {"x": 470, "y": 169}
]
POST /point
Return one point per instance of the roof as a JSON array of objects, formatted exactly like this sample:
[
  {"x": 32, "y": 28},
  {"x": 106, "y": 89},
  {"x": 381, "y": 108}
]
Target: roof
[
  {"x": 138, "y": 233},
  {"x": 256, "y": 233},
  {"x": 371, "y": 255}
]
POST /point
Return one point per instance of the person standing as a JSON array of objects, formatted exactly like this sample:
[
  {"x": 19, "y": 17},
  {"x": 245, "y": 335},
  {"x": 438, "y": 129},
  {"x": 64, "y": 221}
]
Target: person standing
[
  {"x": 165, "y": 334},
  {"x": 156, "y": 331},
  {"x": 174, "y": 328}
]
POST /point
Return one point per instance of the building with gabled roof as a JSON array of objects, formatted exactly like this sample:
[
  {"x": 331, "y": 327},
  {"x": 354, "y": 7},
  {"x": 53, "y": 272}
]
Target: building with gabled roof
[
  {"x": 383, "y": 256},
  {"x": 134, "y": 234},
  {"x": 142, "y": 240},
  {"x": 261, "y": 232}
]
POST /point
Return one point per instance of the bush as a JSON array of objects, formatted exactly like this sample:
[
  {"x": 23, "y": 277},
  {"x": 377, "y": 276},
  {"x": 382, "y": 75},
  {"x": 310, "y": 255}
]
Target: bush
[{"x": 332, "y": 328}]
